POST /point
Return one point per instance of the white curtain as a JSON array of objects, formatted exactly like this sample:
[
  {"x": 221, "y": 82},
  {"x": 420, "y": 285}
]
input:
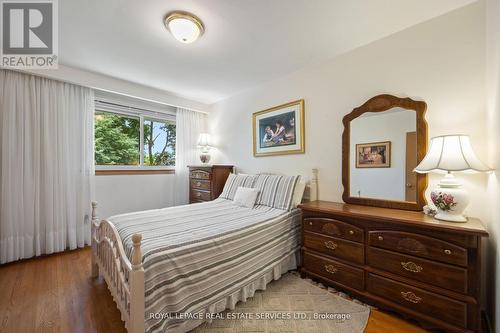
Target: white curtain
[
  {"x": 189, "y": 125},
  {"x": 46, "y": 162}
]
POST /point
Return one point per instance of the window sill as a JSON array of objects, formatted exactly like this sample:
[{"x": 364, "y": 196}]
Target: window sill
[{"x": 110, "y": 172}]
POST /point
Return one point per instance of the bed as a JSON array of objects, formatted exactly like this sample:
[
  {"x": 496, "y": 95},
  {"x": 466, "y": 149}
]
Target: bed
[{"x": 170, "y": 269}]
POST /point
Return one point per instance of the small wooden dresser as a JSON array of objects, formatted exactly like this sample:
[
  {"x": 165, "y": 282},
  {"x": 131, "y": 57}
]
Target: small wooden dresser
[
  {"x": 206, "y": 182},
  {"x": 403, "y": 261}
]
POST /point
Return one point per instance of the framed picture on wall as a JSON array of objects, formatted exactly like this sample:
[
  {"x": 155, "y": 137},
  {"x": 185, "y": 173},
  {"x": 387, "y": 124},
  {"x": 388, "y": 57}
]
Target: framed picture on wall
[
  {"x": 373, "y": 155},
  {"x": 279, "y": 130}
]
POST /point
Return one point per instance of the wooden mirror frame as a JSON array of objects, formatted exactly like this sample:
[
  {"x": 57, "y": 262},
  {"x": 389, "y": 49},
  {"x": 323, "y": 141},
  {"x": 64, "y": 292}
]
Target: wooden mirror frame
[{"x": 382, "y": 103}]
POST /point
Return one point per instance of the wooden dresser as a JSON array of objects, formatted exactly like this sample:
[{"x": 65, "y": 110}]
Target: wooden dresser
[
  {"x": 206, "y": 182},
  {"x": 398, "y": 260}
]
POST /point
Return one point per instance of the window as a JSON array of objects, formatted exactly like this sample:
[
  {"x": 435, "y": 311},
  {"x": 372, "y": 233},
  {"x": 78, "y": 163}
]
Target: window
[
  {"x": 117, "y": 139},
  {"x": 126, "y": 140},
  {"x": 159, "y": 143}
]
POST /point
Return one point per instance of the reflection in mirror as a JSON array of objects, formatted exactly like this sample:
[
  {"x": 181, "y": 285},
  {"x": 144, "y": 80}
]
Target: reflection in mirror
[{"x": 383, "y": 154}]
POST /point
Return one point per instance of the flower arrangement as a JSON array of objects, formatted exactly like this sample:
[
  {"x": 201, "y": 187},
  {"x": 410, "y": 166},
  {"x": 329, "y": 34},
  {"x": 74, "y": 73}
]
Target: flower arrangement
[{"x": 443, "y": 201}]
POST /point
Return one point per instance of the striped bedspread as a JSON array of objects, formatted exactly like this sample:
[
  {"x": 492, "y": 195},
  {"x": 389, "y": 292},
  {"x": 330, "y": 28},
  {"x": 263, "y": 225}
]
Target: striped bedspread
[{"x": 197, "y": 255}]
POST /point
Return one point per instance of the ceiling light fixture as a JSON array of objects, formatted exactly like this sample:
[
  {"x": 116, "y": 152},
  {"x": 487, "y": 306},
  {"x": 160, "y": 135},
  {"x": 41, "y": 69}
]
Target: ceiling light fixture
[{"x": 185, "y": 27}]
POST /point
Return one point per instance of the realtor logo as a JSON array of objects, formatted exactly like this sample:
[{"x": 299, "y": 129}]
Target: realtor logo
[{"x": 29, "y": 33}]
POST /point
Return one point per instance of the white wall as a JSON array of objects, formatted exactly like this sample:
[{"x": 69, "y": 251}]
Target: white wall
[
  {"x": 493, "y": 191},
  {"x": 382, "y": 183},
  {"x": 440, "y": 61},
  {"x": 111, "y": 84},
  {"x": 118, "y": 194}
]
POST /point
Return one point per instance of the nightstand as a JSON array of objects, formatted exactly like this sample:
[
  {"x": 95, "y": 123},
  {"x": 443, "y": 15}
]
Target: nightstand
[{"x": 206, "y": 182}]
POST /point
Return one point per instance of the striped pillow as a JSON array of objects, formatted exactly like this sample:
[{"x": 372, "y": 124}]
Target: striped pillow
[
  {"x": 276, "y": 191},
  {"x": 235, "y": 181}
]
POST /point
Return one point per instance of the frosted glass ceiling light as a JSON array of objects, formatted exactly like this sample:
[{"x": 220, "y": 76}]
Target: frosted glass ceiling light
[{"x": 185, "y": 27}]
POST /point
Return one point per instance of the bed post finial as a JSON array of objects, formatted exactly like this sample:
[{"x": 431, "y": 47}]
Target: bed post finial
[
  {"x": 136, "y": 252},
  {"x": 94, "y": 210},
  {"x": 313, "y": 187},
  {"x": 136, "y": 324}
]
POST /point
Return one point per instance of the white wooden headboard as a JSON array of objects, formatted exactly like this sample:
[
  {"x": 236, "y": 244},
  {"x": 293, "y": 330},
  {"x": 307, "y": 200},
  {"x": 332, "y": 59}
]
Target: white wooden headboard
[{"x": 311, "y": 193}]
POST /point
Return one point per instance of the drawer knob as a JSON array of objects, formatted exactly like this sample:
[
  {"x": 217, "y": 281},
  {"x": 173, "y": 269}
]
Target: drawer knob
[
  {"x": 447, "y": 251},
  {"x": 411, "y": 297},
  {"x": 380, "y": 238},
  {"x": 310, "y": 223},
  {"x": 330, "y": 269},
  {"x": 411, "y": 267},
  {"x": 351, "y": 232},
  {"x": 198, "y": 184},
  {"x": 331, "y": 245}
]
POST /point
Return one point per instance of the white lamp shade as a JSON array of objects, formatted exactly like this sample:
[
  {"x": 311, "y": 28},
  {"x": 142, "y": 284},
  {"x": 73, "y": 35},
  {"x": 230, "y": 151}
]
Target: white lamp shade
[
  {"x": 451, "y": 153},
  {"x": 204, "y": 140}
]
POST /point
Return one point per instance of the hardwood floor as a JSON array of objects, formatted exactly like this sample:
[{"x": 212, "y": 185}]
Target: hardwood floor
[{"x": 56, "y": 294}]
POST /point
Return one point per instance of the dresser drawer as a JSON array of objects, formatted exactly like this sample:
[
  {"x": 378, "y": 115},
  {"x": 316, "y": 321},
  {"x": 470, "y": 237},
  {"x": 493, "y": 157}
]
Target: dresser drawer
[
  {"x": 335, "y": 228},
  {"x": 200, "y": 184},
  {"x": 419, "y": 245},
  {"x": 193, "y": 201},
  {"x": 336, "y": 247},
  {"x": 438, "y": 274},
  {"x": 200, "y": 174},
  {"x": 334, "y": 270},
  {"x": 200, "y": 195},
  {"x": 416, "y": 299}
]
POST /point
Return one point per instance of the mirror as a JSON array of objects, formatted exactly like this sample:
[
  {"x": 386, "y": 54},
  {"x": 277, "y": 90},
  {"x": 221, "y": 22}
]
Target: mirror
[
  {"x": 383, "y": 142},
  {"x": 383, "y": 154}
]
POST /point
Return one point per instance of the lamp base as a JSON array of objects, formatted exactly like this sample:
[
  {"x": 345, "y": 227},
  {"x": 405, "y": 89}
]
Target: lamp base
[
  {"x": 450, "y": 200},
  {"x": 204, "y": 158},
  {"x": 444, "y": 216}
]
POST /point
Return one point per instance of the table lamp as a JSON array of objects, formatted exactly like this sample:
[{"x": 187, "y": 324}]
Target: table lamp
[
  {"x": 204, "y": 144},
  {"x": 450, "y": 153}
]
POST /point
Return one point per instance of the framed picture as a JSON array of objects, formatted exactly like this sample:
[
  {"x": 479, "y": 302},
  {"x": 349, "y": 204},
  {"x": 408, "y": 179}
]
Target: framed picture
[
  {"x": 279, "y": 130},
  {"x": 373, "y": 155}
]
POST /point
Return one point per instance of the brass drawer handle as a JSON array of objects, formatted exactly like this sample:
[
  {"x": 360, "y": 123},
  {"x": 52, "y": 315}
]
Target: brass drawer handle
[
  {"x": 331, "y": 269},
  {"x": 447, "y": 251},
  {"x": 411, "y": 297},
  {"x": 380, "y": 238},
  {"x": 331, "y": 245},
  {"x": 351, "y": 232},
  {"x": 310, "y": 223},
  {"x": 411, "y": 267}
]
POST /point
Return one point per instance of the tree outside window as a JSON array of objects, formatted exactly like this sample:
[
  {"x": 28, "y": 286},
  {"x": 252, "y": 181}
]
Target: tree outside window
[
  {"x": 159, "y": 143},
  {"x": 117, "y": 141}
]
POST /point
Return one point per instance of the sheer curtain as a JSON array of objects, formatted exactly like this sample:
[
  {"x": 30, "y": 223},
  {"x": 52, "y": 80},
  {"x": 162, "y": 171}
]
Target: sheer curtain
[
  {"x": 46, "y": 163},
  {"x": 189, "y": 125}
]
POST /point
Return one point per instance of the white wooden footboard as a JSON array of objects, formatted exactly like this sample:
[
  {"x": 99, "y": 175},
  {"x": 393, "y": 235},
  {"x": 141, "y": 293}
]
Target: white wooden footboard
[{"x": 125, "y": 279}]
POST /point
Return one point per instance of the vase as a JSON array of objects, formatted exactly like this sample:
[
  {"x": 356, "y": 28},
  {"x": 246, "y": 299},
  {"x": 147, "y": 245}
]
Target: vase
[{"x": 450, "y": 200}]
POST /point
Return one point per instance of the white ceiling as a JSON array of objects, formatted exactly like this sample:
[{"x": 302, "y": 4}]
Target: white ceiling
[{"x": 246, "y": 42}]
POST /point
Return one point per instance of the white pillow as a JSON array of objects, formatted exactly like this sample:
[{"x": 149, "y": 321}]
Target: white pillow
[
  {"x": 245, "y": 196},
  {"x": 298, "y": 194}
]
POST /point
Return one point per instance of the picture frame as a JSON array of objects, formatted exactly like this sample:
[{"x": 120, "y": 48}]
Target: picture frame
[
  {"x": 279, "y": 130},
  {"x": 373, "y": 155}
]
